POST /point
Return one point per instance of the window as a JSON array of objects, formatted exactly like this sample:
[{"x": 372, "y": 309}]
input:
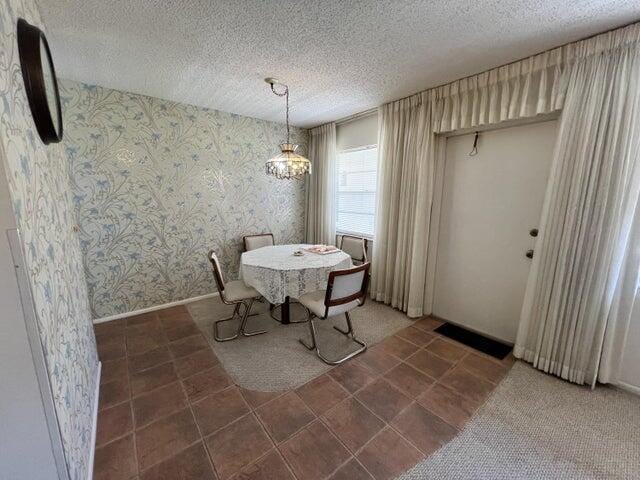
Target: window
[{"x": 356, "y": 205}]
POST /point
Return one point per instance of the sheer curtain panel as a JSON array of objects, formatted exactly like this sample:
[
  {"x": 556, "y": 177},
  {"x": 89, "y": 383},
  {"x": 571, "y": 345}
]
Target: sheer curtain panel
[
  {"x": 320, "y": 206},
  {"x": 583, "y": 280},
  {"x": 406, "y": 166},
  {"x": 584, "y": 274},
  {"x": 410, "y": 154}
]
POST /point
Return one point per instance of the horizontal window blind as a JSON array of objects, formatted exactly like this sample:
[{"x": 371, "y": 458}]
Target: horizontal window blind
[{"x": 357, "y": 177}]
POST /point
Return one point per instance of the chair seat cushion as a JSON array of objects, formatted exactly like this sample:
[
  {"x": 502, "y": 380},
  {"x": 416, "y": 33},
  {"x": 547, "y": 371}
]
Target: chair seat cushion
[
  {"x": 238, "y": 290},
  {"x": 314, "y": 301}
]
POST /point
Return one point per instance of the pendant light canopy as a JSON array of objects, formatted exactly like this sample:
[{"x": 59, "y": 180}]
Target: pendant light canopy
[{"x": 287, "y": 164}]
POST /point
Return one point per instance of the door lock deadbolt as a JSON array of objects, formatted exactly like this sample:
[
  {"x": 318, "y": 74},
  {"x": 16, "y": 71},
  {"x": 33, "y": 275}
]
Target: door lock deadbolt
[{"x": 533, "y": 232}]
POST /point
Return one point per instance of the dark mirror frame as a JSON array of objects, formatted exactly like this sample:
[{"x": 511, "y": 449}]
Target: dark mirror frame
[{"x": 29, "y": 40}]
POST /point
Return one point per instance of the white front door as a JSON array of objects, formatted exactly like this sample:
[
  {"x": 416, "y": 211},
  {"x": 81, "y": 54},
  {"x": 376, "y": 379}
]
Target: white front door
[{"x": 490, "y": 203}]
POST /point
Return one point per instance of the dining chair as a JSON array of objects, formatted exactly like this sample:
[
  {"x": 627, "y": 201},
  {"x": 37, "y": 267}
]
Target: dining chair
[
  {"x": 252, "y": 242},
  {"x": 346, "y": 290},
  {"x": 235, "y": 293},
  {"x": 355, "y": 247}
]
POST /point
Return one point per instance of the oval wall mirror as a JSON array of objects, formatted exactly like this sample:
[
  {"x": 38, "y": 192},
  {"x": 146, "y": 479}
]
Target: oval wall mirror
[{"x": 40, "y": 81}]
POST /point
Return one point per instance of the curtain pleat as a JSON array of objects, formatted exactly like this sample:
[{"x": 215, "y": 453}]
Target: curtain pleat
[
  {"x": 405, "y": 189},
  {"x": 518, "y": 90},
  {"x": 578, "y": 297},
  {"x": 584, "y": 275},
  {"x": 320, "y": 191}
]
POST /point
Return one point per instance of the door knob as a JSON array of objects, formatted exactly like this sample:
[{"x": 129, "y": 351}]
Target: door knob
[{"x": 529, "y": 254}]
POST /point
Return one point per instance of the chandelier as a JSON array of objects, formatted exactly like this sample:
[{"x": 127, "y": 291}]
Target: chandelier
[{"x": 287, "y": 164}]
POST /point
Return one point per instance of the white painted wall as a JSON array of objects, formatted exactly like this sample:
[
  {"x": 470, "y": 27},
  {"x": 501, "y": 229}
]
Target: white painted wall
[
  {"x": 359, "y": 132},
  {"x": 490, "y": 202},
  {"x": 629, "y": 375}
]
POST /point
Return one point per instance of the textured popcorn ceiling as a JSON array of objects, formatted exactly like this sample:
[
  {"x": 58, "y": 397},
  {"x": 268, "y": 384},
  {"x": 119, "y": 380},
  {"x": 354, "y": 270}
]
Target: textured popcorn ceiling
[{"x": 339, "y": 57}]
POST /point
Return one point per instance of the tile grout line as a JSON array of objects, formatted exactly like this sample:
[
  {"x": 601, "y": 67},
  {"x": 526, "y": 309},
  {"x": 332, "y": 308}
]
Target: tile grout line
[
  {"x": 439, "y": 382},
  {"x": 191, "y": 403},
  {"x": 133, "y": 420},
  {"x": 389, "y": 424},
  {"x": 189, "y": 406},
  {"x": 128, "y": 375},
  {"x": 386, "y": 424},
  {"x": 280, "y": 394},
  {"x": 252, "y": 412},
  {"x": 438, "y": 415},
  {"x": 275, "y": 446},
  {"x": 201, "y": 439},
  {"x": 351, "y": 452},
  {"x": 301, "y": 428}
]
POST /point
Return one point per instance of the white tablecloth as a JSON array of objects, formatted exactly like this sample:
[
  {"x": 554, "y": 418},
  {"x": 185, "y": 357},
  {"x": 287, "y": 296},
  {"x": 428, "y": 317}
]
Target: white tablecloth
[{"x": 277, "y": 274}]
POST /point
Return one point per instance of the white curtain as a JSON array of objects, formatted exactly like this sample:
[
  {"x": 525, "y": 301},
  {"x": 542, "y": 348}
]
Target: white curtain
[
  {"x": 624, "y": 305},
  {"x": 320, "y": 197},
  {"x": 526, "y": 88},
  {"x": 584, "y": 275},
  {"x": 410, "y": 154},
  {"x": 406, "y": 168}
]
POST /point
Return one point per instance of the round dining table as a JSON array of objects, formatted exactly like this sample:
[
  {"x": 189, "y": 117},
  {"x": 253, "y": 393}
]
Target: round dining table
[{"x": 279, "y": 275}]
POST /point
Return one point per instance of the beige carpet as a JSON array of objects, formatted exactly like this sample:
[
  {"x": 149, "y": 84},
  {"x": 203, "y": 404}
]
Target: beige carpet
[
  {"x": 535, "y": 426},
  {"x": 276, "y": 360}
]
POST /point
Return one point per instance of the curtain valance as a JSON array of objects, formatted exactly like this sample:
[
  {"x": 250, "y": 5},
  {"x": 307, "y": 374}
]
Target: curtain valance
[
  {"x": 582, "y": 287},
  {"x": 533, "y": 86},
  {"x": 603, "y": 43},
  {"x": 584, "y": 276},
  {"x": 407, "y": 144},
  {"x": 522, "y": 89}
]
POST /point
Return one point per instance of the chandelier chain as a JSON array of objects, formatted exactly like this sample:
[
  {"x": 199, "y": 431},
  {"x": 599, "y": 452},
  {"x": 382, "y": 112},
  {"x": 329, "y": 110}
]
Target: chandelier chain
[
  {"x": 285, "y": 94},
  {"x": 288, "y": 164}
]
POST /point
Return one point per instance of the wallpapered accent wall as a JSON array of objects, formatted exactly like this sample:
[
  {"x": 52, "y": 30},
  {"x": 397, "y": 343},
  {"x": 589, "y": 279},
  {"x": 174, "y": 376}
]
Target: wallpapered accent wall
[
  {"x": 157, "y": 184},
  {"x": 39, "y": 184}
]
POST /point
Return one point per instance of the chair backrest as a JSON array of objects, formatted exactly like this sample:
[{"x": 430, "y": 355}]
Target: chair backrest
[
  {"x": 345, "y": 286},
  {"x": 217, "y": 271},
  {"x": 251, "y": 242},
  {"x": 355, "y": 247}
]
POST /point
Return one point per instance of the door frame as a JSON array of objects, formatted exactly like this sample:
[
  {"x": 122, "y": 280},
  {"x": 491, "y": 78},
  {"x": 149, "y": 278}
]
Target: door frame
[{"x": 438, "y": 191}]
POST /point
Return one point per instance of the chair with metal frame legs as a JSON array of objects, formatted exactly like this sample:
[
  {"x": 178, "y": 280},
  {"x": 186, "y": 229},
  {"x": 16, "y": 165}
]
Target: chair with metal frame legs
[
  {"x": 346, "y": 290},
  {"x": 273, "y": 309},
  {"x": 355, "y": 247},
  {"x": 234, "y": 293},
  {"x": 252, "y": 242}
]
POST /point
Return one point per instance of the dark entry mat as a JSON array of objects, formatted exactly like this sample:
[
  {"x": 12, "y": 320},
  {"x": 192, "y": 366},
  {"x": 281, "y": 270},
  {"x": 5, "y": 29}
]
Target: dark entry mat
[{"x": 475, "y": 340}]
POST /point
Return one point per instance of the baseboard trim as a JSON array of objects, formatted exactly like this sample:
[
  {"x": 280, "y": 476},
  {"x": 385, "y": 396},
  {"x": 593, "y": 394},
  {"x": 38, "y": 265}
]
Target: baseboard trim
[
  {"x": 94, "y": 428},
  {"x": 628, "y": 387},
  {"x": 155, "y": 308}
]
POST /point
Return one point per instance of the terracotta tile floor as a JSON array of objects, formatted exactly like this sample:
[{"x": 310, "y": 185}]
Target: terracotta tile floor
[{"x": 168, "y": 410}]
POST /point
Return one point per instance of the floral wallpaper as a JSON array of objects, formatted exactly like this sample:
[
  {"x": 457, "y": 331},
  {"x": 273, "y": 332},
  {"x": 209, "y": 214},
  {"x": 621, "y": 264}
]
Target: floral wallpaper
[
  {"x": 156, "y": 184},
  {"x": 40, "y": 192}
]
